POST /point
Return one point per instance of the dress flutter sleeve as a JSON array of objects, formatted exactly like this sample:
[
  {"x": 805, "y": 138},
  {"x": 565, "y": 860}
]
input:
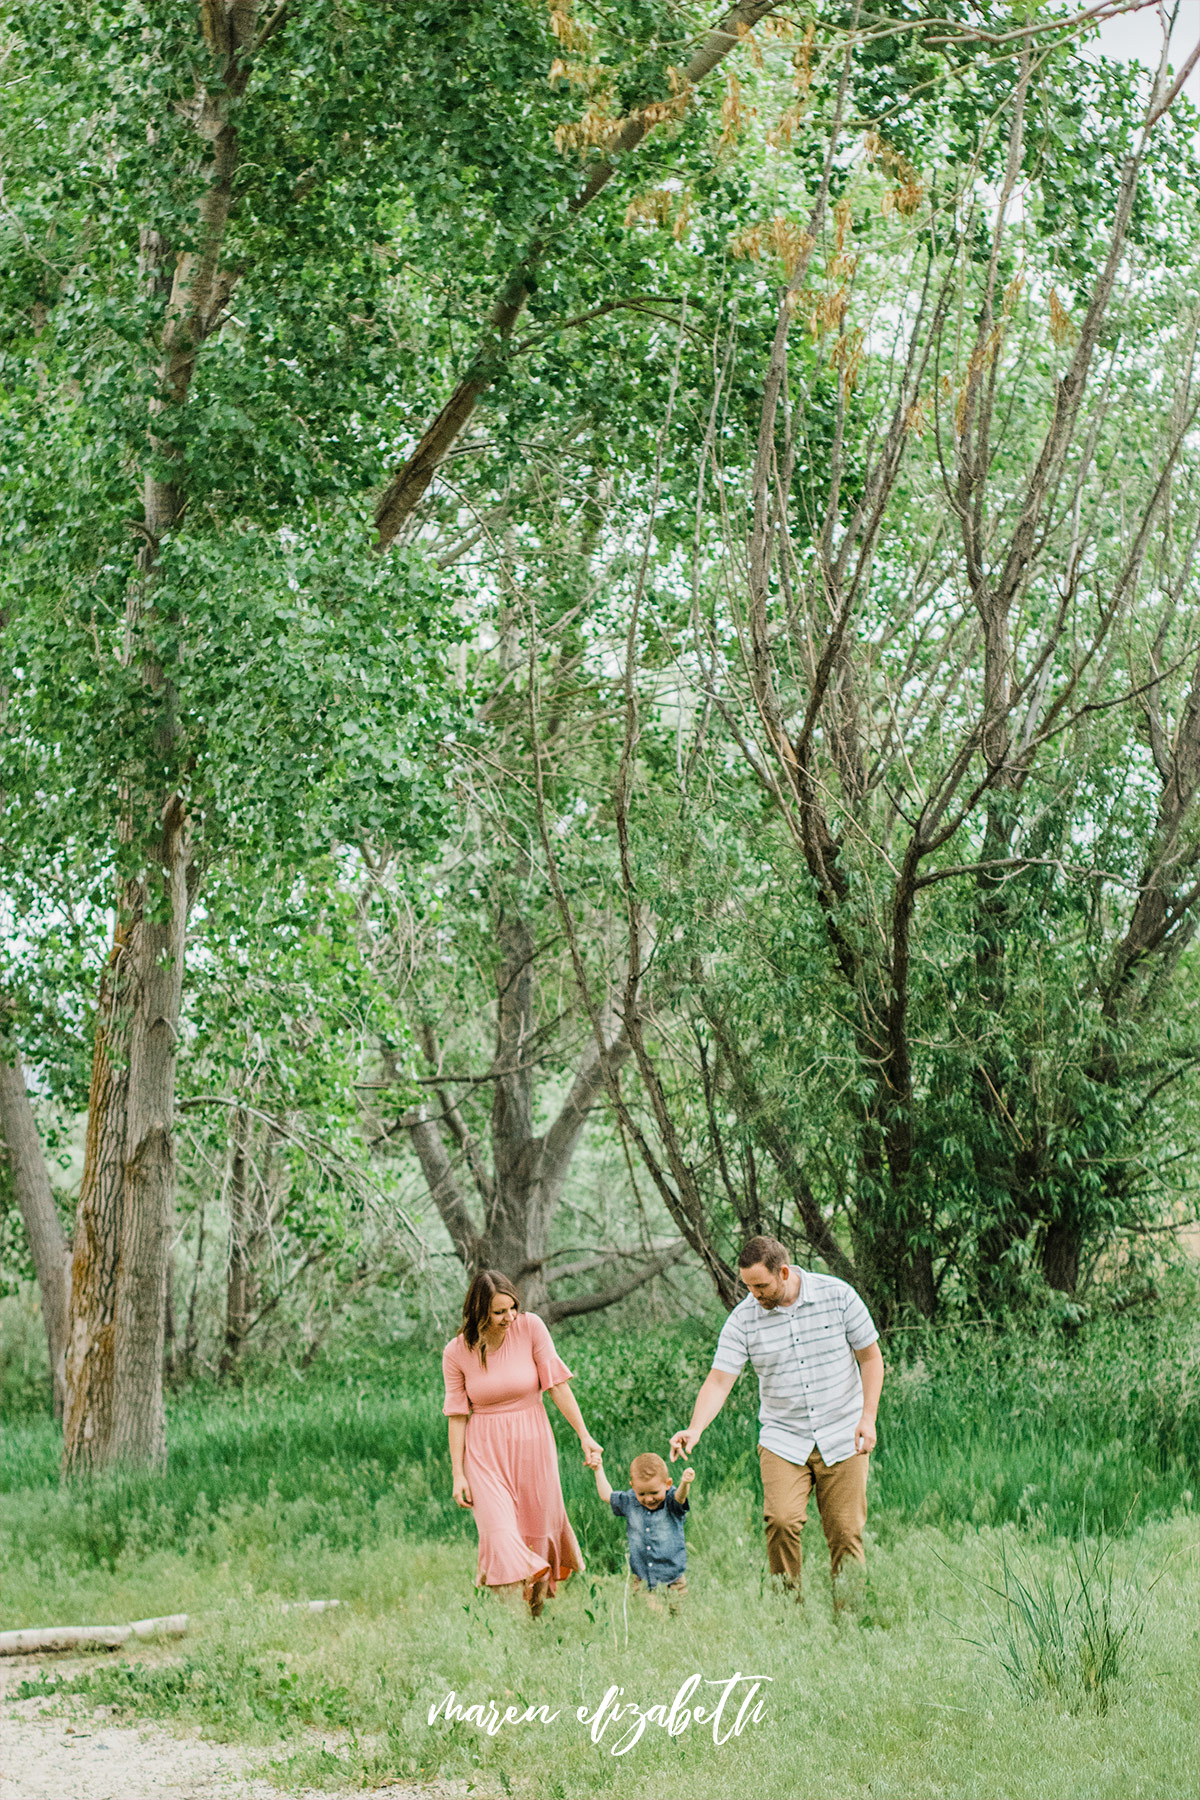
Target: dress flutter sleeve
[
  {"x": 550, "y": 1366},
  {"x": 456, "y": 1385}
]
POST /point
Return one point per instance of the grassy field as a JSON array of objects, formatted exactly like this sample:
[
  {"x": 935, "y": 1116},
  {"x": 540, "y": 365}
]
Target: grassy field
[{"x": 996, "y": 1452}]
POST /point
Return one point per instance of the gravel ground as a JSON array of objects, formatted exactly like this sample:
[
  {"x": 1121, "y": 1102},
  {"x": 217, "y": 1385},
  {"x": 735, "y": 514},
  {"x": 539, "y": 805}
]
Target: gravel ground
[{"x": 50, "y": 1753}]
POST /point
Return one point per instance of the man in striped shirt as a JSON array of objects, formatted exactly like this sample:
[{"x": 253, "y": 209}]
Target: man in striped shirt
[{"x": 815, "y": 1350}]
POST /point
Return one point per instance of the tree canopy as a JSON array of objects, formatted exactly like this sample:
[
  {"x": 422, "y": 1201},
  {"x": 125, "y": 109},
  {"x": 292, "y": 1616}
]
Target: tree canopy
[{"x": 600, "y": 655}]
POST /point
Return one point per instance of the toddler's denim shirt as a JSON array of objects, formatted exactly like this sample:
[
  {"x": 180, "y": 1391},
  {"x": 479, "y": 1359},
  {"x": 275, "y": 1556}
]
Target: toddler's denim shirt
[{"x": 657, "y": 1551}]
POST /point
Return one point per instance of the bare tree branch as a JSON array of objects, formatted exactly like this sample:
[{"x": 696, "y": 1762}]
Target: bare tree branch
[
  {"x": 409, "y": 483},
  {"x": 554, "y": 1310}
]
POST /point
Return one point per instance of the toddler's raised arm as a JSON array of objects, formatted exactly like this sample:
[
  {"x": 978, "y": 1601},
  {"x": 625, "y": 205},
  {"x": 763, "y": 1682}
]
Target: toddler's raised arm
[
  {"x": 603, "y": 1487},
  {"x": 683, "y": 1484}
]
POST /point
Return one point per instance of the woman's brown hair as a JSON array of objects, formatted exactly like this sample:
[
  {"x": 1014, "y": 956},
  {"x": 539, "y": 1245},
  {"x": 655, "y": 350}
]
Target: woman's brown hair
[{"x": 478, "y": 1303}]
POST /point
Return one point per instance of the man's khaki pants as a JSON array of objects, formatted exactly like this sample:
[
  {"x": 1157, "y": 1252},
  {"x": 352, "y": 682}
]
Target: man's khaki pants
[{"x": 841, "y": 1502}]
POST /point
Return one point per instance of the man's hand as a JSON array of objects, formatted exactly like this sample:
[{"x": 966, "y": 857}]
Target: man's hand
[
  {"x": 462, "y": 1493},
  {"x": 870, "y": 1367},
  {"x": 709, "y": 1401}
]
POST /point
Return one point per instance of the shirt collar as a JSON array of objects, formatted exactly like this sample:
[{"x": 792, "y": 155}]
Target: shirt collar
[{"x": 802, "y": 1298}]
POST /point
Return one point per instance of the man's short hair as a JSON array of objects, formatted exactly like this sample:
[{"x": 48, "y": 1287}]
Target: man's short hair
[
  {"x": 649, "y": 1467},
  {"x": 766, "y": 1250}
]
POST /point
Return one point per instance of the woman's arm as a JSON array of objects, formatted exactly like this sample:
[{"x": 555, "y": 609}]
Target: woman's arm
[
  {"x": 568, "y": 1406},
  {"x": 458, "y": 1444}
]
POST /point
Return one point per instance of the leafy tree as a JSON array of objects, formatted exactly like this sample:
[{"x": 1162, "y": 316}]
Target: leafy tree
[
  {"x": 223, "y": 670},
  {"x": 950, "y": 625}
]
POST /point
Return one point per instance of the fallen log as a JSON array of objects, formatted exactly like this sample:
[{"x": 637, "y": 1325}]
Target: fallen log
[{"x": 35, "y": 1638}]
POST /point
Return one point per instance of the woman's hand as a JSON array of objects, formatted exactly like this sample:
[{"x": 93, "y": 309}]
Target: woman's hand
[
  {"x": 568, "y": 1406},
  {"x": 462, "y": 1492}
]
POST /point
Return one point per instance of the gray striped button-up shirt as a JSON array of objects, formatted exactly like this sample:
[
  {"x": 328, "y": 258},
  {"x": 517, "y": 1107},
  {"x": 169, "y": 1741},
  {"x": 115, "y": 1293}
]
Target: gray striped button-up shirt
[{"x": 809, "y": 1387}]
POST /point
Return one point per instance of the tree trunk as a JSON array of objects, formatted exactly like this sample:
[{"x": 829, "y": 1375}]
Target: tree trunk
[
  {"x": 758, "y": 1116},
  {"x": 88, "y": 1411},
  {"x": 514, "y": 1235},
  {"x": 894, "y": 1272},
  {"x": 903, "y": 1256},
  {"x": 114, "y": 1360},
  {"x": 114, "y": 1408},
  {"x": 915, "y": 1286},
  {"x": 522, "y": 1191},
  {"x": 1060, "y": 1255},
  {"x": 241, "y": 1282},
  {"x": 47, "y": 1240},
  {"x": 157, "y": 962},
  {"x": 170, "y": 1338}
]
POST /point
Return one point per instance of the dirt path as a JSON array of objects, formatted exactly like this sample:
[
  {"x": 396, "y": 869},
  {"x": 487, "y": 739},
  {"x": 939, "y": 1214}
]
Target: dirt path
[{"x": 53, "y": 1751}]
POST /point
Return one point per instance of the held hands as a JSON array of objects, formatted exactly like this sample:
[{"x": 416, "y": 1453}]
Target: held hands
[
  {"x": 462, "y": 1492},
  {"x": 864, "y": 1434},
  {"x": 592, "y": 1452}
]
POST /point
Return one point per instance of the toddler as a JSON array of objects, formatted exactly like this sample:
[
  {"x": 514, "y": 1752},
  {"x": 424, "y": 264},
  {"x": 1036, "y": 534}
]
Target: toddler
[{"x": 654, "y": 1510}]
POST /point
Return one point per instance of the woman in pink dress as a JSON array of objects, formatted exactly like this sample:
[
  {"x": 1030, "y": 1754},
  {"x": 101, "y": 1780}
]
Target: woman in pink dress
[{"x": 502, "y": 1450}]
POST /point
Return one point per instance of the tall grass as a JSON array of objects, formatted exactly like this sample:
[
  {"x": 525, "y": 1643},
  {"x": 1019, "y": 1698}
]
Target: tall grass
[
  {"x": 976, "y": 1428},
  {"x": 884, "y": 1705},
  {"x": 993, "y": 1447},
  {"x": 1065, "y": 1633}
]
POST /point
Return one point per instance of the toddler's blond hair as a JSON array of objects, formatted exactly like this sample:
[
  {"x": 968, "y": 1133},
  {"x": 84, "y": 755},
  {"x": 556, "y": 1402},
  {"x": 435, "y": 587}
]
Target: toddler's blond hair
[{"x": 647, "y": 1466}]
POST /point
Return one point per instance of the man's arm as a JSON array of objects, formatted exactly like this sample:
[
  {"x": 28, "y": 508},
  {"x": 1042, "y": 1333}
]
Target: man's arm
[
  {"x": 712, "y": 1396},
  {"x": 870, "y": 1366}
]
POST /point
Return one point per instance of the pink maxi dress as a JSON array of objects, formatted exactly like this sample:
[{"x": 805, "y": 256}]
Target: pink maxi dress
[{"x": 511, "y": 1461}]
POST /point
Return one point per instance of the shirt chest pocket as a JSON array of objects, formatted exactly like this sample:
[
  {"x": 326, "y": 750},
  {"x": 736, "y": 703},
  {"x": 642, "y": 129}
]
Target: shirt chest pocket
[
  {"x": 770, "y": 1359},
  {"x": 784, "y": 1371}
]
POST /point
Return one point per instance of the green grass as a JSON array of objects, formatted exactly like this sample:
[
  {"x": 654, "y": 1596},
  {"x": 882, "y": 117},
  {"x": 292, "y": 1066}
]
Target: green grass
[
  {"x": 1070, "y": 1633},
  {"x": 976, "y": 1428},
  {"x": 996, "y": 1450},
  {"x": 897, "y": 1704}
]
